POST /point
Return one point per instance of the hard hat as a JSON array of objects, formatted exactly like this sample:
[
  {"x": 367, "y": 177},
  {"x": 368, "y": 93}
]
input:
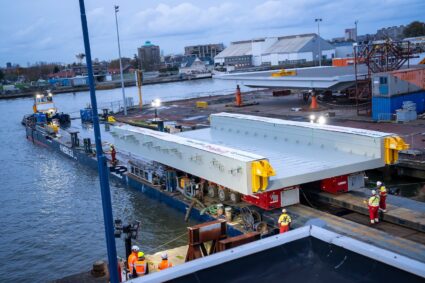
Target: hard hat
[
  {"x": 112, "y": 145},
  {"x": 141, "y": 254},
  {"x": 284, "y": 210},
  {"x": 164, "y": 255},
  {"x": 373, "y": 192},
  {"x": 135, "y": 248},
  {"x": 379, "y": 183}
]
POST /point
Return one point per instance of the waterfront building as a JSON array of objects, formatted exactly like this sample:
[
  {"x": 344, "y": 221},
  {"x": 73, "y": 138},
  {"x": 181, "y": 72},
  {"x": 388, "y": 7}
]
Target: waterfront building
[
  {"x": 204, "y": 50},
  {"x": 149, "y": 57},
  {"x": 275, "y": 51}
]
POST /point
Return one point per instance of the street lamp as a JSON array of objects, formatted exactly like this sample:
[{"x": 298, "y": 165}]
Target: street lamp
[
  {"x": 156, "y": 103},
  {"x": 119, "y": 53},
  {"x": 318, "y": 39}
]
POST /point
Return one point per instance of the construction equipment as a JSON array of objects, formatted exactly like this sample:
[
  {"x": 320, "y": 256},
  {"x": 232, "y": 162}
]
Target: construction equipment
[{"x": 213, "y": 232}]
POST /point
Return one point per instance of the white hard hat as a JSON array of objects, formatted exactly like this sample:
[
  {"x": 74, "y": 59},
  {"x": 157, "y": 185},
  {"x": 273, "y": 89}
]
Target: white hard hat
[
  {"x": 378, "y": 184},
  {"x": 135, "y": 248},
  {"x": 284, "y": 210},
  {"x": 373, "y": 192},
  {"x": 164, "y": 255}
]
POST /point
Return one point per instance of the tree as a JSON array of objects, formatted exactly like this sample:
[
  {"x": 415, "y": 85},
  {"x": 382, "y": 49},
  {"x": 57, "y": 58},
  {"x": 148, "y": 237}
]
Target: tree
[{"x": 414, "y": 29}]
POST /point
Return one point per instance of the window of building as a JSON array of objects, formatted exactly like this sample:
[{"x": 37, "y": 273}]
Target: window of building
[{"x": 383, "y": 80}]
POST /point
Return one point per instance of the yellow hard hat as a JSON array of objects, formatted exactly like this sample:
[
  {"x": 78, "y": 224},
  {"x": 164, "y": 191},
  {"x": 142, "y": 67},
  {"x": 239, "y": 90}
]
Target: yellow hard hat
[{"x": 141, "y": 254}]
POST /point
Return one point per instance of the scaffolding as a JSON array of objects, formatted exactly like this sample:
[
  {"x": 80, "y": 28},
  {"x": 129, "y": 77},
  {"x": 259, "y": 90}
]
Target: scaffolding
[{"x": 378, "y": 56}]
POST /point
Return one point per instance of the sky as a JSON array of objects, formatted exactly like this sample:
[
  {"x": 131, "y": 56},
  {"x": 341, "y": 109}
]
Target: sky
[{"x": 50, "y": 30}]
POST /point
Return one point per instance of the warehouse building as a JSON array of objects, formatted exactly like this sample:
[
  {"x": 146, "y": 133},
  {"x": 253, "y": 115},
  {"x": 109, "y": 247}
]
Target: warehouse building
[{"x": 275, "y": 51}]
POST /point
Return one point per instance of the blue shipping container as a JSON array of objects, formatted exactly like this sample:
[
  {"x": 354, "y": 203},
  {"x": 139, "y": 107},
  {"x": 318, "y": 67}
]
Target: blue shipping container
[
  {"x": 384, "y": 107},
  {"x": 86, "y": 115}
]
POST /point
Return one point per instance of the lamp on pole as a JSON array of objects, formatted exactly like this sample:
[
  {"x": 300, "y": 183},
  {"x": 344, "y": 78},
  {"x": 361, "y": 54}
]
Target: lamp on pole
[
  {"x": 101, "y": 159},
  {"x": 318, "y": 20},
  {"x": 119, "y": 53},
  {"x": 156, "y": 103}
]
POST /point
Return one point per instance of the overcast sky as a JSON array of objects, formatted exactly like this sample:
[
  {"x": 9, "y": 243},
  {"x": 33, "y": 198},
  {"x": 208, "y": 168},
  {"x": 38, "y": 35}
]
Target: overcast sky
[{"x": 50, "y": 30}]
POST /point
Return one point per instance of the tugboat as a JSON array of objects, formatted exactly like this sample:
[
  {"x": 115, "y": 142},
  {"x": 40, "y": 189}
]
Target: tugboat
[{"x": 46, "y": 112}]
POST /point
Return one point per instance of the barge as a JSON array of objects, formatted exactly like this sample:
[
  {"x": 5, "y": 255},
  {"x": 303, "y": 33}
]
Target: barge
[{"x": 242, "y": 161}]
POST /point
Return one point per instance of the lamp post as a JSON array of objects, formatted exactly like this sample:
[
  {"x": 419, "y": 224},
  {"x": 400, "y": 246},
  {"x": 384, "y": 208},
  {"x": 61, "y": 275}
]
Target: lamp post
[
  {"x": 155, "y": 104},
  {"x": 119, "y": 53},
  {"x": 318, "y": 20},
  {"x": 101, "y": 159}
]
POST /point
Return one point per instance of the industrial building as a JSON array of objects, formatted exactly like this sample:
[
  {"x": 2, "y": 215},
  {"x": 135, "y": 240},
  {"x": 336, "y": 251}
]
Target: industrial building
[
  {"x": 275, "y": 51},
  {"x": 149, "y": 57},
  {"x": 204, "y": 50}
]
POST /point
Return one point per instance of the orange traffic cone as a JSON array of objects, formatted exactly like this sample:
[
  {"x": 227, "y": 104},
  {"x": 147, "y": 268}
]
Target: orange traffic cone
[
  {"x": 313, "y": 104},
  {"x": 238, "y": 96}
]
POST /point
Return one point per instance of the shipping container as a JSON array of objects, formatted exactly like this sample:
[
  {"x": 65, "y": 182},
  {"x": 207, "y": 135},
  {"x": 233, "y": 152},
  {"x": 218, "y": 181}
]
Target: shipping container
[
  {"x": 383, "y": 108},
  {"x": 414, "y": 76}
]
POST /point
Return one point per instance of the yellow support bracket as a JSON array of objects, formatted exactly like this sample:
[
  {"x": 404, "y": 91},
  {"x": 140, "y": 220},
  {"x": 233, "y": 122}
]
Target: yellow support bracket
[
  {"x": 284, "y": 73},
  {"x": 392, "y": 146},
  {"x": 261, "y": 171}
]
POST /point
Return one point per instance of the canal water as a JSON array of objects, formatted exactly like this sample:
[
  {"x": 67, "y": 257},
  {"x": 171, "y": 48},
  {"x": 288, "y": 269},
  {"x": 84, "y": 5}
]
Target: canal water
[{"x": 51, "y": 211}]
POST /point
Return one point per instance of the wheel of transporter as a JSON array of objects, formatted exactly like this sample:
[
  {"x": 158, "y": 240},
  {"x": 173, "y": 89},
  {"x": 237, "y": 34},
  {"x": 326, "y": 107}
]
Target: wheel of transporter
[
  {"x": 235, "y": 197},
  {"x": 223, "y": 194},
  {"x": 212, "y": 191}
]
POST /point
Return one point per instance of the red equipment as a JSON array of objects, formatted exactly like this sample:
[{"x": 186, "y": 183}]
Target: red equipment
[{"x": 274, "y": 199}]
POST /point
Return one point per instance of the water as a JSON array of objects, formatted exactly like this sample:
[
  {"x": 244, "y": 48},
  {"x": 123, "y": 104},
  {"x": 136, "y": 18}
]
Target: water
[{"x": 51, "y": 215}]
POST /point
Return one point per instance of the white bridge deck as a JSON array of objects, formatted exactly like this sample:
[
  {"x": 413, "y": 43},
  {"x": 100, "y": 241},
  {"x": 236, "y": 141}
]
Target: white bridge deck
[
  {"x": 326, "y": 77},
  {"x": 299, "y": 152}
]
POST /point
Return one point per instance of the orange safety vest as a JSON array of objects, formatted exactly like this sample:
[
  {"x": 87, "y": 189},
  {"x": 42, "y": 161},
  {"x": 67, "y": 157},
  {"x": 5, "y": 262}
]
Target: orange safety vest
[
  {"x": 140, "y": 266},
  {"x": 131, "y": 260},
  {"x": 164, "y": 264}
]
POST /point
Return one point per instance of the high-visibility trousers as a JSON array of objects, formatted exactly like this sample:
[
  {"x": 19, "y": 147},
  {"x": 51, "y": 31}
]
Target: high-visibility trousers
[
  {"x": 283, "y": 228},
  {"x": 383, "y": 202},
  {"x": 373, "y": 212}
]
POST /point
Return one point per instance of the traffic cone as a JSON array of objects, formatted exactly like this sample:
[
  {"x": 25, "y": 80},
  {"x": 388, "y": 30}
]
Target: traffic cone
[{"x": 313, "y": 104}]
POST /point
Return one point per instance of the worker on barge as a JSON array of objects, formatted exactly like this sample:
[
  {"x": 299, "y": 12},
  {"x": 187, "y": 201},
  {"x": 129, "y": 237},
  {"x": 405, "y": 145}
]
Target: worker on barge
[
  {"x": 373, "y": 205},
  {"x": 382, "y": 196},
  {"x": 132, "y": 258},
  {"x": 140, "y": 265},
  {"x": 284, "y": 222},
  {"x": 113, "y": 155},
  {"x": 165, "y": 263}
]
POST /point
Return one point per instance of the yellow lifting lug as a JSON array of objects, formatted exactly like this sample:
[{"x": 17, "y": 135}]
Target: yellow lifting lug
[
  {"x": 261, "y": 171},
  {"x": 111, "y": 119},
  {"x": 392, "y": 146}
]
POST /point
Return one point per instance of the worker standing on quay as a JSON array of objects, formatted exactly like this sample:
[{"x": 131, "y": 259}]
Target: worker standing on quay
[
  {"x": 382, "y": 196},
  {"x": 284, "y": 222},
  {"x": 140, "y": 265},
  {"x": 373, "y": 205},
  {"x": 164, "y": 264},
  {"x": 132, "y": 258}
]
